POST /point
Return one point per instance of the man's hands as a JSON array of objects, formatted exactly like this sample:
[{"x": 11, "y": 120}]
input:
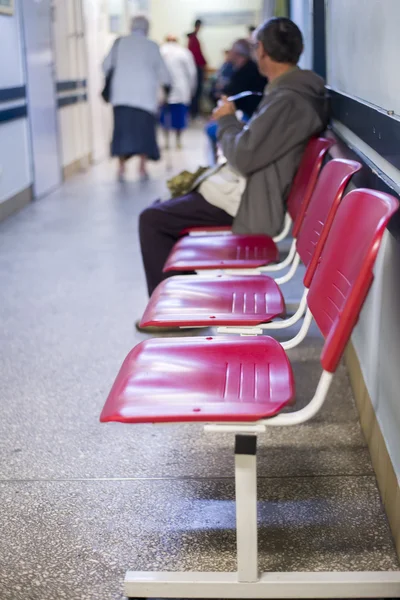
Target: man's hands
[{"x": 224, "y": 108}]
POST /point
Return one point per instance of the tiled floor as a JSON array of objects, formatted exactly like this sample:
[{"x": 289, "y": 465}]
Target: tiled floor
[{"x": 81, "y": 502}]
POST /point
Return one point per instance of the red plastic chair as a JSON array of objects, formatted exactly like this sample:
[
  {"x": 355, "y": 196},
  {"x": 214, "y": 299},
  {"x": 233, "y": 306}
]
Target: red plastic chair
[
  {"x": 252, "y": 251},
  {"x": 241, "y": 385},
  {"x": 252, "y": 300}
]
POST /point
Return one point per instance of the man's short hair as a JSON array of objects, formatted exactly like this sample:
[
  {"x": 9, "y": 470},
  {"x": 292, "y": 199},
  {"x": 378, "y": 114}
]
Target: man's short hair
[
  {"x": 198, "y": 23},
  {"x": 281, "y": 39},
  {"x": 242, "y": 47}
]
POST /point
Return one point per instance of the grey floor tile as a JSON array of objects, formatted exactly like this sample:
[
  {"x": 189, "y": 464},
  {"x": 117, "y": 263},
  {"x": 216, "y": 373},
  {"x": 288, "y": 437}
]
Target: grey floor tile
[{"x": 75, "y": 540}]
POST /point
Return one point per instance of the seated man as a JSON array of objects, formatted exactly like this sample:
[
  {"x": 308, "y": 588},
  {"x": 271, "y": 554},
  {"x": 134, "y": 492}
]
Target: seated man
[{"x": 266, "y": 152}]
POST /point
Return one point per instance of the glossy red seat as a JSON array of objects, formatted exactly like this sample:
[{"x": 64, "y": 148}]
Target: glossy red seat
[
  {"x": 194, "y": 379},
  {"x": 222, "y": 252},
  {"x": 239, "y": 385},
  {"x": 201, "y": 379},
  {"x": 247, "y": 251},
  {"x": 250, "y": 300}
]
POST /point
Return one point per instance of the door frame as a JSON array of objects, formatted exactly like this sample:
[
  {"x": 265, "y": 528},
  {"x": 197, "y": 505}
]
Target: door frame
[{"x": 57, "y": 128}]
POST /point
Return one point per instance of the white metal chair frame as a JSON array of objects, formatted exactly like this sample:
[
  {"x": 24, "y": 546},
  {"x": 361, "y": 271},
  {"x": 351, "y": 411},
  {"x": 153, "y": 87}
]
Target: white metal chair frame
[{"x": 247, "y": 582}]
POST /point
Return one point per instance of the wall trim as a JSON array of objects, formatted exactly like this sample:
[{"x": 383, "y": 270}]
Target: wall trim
[
  {"x": 12, "y": 93},
  {"x": 319, "y": 38},
  {"x": 73, "y": 99},
  {"x": 77, "y": 166},
  {"x": 388, "y": 484},
  {"x": 15, "y": 203},
  {"x": 70, "y": 84},
  {"x": 376, "y": 173},
  {"x": 379, "y": 129},
  {"x": 16, "y": 112}
]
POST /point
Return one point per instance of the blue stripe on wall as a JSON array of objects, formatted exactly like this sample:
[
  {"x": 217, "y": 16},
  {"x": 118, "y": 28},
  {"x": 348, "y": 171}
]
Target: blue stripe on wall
[
  {"x": 68, "y": 85},
  {"x": 10, "y": 114},
  {"x": 67, "y": 100},
  {"x": 12, "y": 93}
]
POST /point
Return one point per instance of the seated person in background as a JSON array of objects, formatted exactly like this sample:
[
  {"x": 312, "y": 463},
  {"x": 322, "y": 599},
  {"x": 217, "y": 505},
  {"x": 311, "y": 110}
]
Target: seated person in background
[
  {"x": 265, "y": 152},
  {"x": 222, "y": 78},
  {"x": 245, "y": 77}
]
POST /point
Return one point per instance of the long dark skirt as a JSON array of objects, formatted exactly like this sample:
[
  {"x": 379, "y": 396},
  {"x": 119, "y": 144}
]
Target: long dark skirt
[{"x": 134, "y": 133}]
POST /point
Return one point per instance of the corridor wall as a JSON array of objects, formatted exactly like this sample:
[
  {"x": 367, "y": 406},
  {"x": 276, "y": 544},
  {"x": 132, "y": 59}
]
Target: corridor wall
[
  {"x": 98, "y": 40},
  {"x": 362, "y": 47},
  {"x": 71, "y": 85},
  {"x": 362, "y": 68},
  {"x": 15, "y": 169},
  {"x": 301, "y": 13}
]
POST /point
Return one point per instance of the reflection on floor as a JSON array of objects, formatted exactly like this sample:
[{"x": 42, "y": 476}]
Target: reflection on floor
[{"x": 82, "y": 502}]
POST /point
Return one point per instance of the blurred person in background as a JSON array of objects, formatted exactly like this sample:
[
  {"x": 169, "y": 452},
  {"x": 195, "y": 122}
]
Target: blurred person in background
[
  {"x": 222, "y": 78},
  {"x": 245, "y": 77},
  {"x": 195, "y": 48},
  {"x": 138, "y": 73},
  {"x": 182, "y": 68}
]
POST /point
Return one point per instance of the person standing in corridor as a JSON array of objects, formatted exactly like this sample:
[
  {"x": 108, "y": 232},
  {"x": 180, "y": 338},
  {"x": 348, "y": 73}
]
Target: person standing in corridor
[
  {"x": 195, "y": 48},
  {"x": 182, "y": 68},
  {"x": 138, "y": 72}
]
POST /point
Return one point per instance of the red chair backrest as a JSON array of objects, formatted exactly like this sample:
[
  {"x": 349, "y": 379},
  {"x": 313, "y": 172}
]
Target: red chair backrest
[
  {"x": 321, "y": 211},
  {"x": 305, "y": 179},
  {"x": 344, "y": 274}
]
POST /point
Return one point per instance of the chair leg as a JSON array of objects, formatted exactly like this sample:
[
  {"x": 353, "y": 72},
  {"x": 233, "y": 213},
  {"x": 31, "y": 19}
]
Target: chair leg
[
  {"x": 246, "y": 582},
  {"x": 246, "y": 507}
]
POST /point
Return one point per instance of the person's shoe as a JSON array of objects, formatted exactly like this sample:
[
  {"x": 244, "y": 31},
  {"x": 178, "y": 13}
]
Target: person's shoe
[
  {"x": 157, "y": 330},
  {"x": 178, "y": 145}
]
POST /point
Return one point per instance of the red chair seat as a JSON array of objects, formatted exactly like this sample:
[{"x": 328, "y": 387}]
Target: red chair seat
[
  {"x": 205, "y": 301},
  {"x": 222, "y": 252},
  {"x": 201, "y": 379}
]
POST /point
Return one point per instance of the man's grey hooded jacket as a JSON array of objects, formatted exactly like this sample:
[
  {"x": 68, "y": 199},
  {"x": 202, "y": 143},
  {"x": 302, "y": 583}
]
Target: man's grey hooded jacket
[{"x": 268, "y": 149}]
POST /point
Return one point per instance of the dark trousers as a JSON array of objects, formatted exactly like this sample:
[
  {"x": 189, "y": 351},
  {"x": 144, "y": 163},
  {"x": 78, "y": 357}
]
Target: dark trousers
[
  {"x": 160, "y": 226},
  {"x": 195, "y": 106}
]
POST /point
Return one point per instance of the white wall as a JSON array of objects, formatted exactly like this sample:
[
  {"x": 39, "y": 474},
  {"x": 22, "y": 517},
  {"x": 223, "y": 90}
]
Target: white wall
[
  {"x": 15, "y": 171},
  {"x": 362, "y": 50},
  {"x": 365, "y": 47},
  {"x": 97, "y": 42},
  {"x": 301, "y": 14},
  {"x": 178, "y": 16},
  {"x": 71, "y": 64}
]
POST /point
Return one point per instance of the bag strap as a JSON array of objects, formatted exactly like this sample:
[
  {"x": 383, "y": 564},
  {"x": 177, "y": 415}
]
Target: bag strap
[{"x": 114, "y": 53}]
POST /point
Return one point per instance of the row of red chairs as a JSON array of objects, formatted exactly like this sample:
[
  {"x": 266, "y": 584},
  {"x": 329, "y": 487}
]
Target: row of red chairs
[{"x": 242, "y": 384}]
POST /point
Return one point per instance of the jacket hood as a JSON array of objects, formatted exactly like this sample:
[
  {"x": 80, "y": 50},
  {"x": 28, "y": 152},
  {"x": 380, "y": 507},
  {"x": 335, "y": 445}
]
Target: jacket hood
[{"x": 309, "y": 85}]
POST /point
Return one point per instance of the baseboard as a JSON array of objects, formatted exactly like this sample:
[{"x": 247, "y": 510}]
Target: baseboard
[
  {"x": 81, "y": 164},
  {"x": 389, "y": 485},
  {"x": 15, "y": 203}
]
